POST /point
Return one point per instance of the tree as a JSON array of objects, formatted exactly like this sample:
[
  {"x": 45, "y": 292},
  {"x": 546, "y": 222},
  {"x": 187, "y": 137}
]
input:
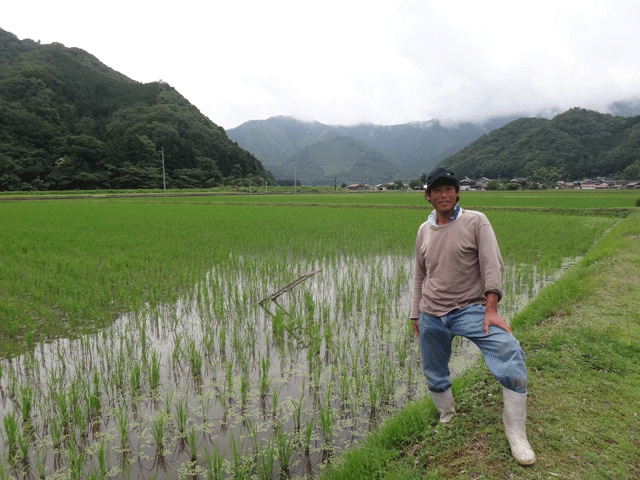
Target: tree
[
  {"x": 493, "y": 185},
  {"x": 288, "y": 182},
  {"x": 236, "y": 171},
  {"x": 547, "y": 175},
  {"x": 632, "y": 172}
]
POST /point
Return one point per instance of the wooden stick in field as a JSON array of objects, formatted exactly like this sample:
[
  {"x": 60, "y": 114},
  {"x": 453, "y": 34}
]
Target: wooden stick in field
[{"x": 286, "y": 288}]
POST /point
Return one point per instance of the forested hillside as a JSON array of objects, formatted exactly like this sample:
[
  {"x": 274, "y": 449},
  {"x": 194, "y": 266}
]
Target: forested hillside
[
  {"x": 68, "y": 121},
  {"x": 574, "y": 145}
]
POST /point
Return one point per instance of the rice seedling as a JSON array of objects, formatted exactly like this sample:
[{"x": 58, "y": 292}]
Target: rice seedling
[
  {"x": 26, "y": 403},
  {"x": 94, "y": 402},
  {"x": 24, "y": 441},
  {"x": 244, "y": 391},
  {"x": 401, "y": 349},
  {"x": 102, "y": 454},
  {"x": 75, "y": 460},
  {"x": 265, "y": 379},
  {"x": 56, "y": 430},
  {"x": 154, "y": 373},
  {"x": 327, "y": 424},
  {"x": 195, "y": 360},
  {"x": 242, "y": 466},
  {"x": 222, "y": 339},
  {"x": 181, "y": 416},
  {"x": 285, "y": 446},
  {"x": 122, "y": 416},
  {"x": 193, "y": 443},
  {"x": 373, "y": 399},
  {"x": 158, "y": 431},
  {"x": 12, "y": 432},
  {"x": 308, "y": 432},
  {"x": 222, "y": 399},
  {"x": 274, "y": 402},
  {"x": 265, "y": 460},
  {"x": 297, "y": 412},
  {"x": 278, "y": 325},
  {"x": 213, "y": 462},
  {"x": 136, "y": 380},
  {"x": 40, "y": 463}
]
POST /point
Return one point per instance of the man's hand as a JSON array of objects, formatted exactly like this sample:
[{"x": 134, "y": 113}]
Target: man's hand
[
  {"x": 494, "y": 318},
  {"x": 416, "y": 326},
  {"x": 491, "y": 315}
]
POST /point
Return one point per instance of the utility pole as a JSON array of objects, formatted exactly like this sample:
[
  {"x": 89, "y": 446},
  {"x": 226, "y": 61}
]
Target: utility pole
[{"x": 164, "y": 179}]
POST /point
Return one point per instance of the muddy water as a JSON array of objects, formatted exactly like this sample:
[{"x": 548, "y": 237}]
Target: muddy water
[{"x": 299, "y": 378}]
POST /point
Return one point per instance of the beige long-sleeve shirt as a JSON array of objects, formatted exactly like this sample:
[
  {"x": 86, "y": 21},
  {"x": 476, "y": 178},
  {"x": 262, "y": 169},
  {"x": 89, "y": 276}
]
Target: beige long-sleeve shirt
[{"x": 456, "y": 264}]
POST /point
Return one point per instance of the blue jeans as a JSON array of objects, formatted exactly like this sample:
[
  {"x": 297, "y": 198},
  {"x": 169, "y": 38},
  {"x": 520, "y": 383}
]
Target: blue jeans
[{"x": 501, "y": 350}]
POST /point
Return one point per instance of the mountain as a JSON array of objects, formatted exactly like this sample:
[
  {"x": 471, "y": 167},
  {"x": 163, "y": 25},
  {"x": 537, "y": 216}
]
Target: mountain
[
  {"x": 67, "y": 121},
  {"x": 411, "y": 149},
  {"x": 337, "y": 159},
  {"x": 574, "y": 145}
]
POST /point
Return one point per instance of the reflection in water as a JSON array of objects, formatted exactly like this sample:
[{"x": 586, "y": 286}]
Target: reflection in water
[{"x": 217, "y": 384}]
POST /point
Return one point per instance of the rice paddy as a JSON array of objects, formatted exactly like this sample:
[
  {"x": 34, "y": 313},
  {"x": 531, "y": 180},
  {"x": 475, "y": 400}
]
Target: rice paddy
[{"x": 177, "y": 340}]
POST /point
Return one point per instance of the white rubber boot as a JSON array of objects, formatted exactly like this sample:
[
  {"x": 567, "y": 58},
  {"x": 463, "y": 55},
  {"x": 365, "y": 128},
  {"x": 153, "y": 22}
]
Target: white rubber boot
[
  {"x": 444, "y": 404},
  {"x": 514, "y": 417}
]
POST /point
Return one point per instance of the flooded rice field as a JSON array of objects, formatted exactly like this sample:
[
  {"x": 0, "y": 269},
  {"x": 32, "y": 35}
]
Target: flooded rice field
[{"x": 263, "y": 370}]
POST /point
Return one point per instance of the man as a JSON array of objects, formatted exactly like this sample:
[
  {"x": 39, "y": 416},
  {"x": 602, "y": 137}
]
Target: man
[{"x": 457, "y": 287}]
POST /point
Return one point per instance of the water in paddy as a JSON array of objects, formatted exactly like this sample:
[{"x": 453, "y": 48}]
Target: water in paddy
[{"x": 220, "y": 385}]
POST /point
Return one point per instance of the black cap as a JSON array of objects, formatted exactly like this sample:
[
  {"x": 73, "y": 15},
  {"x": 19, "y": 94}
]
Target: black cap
[{"x": 441, "y": 176}]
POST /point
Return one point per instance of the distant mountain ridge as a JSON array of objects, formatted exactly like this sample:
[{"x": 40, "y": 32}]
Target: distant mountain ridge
[
  {"x": 400, "y": 151},
  {"x": 289, "y": 147}
]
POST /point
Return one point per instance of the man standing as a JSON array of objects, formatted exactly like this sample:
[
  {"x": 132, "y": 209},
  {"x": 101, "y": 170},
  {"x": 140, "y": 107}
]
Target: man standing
[{"x": 457, "y": 287}]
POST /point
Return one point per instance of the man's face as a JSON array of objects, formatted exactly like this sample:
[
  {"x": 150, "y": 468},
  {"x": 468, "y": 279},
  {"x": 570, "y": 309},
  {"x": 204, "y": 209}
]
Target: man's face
[{"x": 442, "y": 197}]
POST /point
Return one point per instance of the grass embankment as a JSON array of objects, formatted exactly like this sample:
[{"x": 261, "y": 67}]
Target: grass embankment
[{"x": 582, "y": 340}]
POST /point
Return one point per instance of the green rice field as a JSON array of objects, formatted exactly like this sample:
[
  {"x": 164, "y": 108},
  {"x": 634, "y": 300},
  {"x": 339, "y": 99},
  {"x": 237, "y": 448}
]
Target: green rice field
[{"x": 232, "y": 336}]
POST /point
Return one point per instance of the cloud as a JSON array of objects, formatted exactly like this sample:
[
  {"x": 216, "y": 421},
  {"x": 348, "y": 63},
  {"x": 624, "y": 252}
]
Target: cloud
[{"x": 351, "y": 61}]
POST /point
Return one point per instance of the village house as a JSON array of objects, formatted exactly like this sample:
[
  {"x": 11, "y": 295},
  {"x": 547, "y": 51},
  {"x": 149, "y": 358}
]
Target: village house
[
  {"x": 594, "y": 186},
  {"x": 482, "y": 182},
  {"x": 523, "y": 182},
  {"x": 359, "y": 186},
  {"x": 467, "y": 184}
]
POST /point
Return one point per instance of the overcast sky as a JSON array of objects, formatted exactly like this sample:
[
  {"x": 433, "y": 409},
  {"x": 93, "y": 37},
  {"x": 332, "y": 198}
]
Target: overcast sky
[{"x": 352, "y": 61}]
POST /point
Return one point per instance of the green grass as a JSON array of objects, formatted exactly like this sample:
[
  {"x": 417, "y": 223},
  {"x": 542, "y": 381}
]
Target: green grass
[
  {"x": 551, "y": 199},
  {"x": 582, "y": 340}
]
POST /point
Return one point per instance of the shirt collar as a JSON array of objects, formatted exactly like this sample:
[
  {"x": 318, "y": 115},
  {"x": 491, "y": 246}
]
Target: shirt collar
[{"x": 433, "y": 216}]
